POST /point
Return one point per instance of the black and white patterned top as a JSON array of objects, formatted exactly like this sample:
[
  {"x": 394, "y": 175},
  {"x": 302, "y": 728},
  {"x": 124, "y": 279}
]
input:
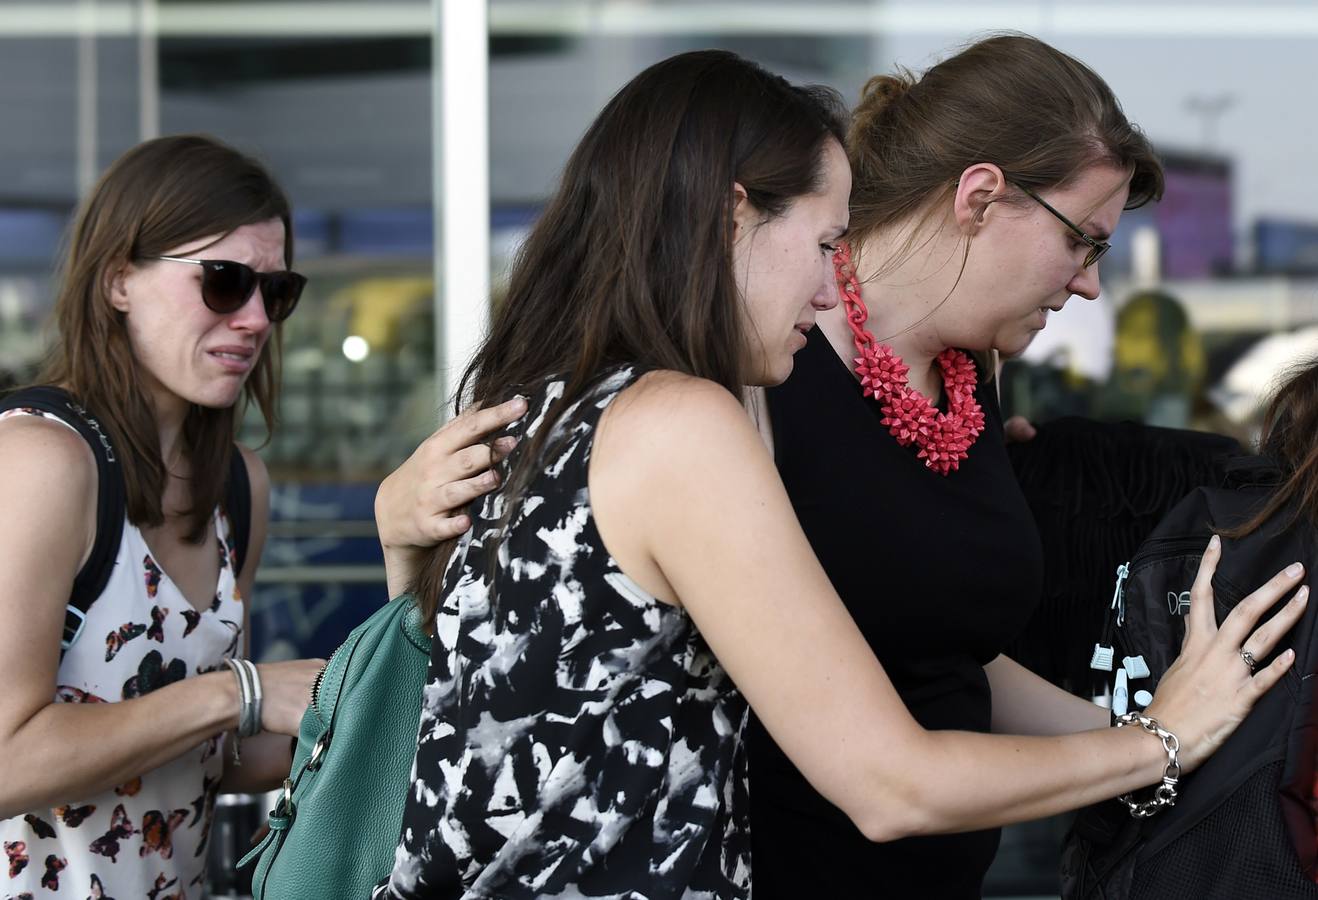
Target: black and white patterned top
[{"x": 578, "y": 738}]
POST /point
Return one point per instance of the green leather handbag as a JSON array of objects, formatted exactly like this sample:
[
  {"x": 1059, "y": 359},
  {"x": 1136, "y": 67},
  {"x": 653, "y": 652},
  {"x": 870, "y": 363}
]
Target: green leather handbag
[{"x": 335, "y": 826}]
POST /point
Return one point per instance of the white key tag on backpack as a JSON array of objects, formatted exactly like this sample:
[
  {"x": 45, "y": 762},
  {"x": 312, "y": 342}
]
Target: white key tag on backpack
[
  {"x": 1120, "y": 694},
  {"x": 1102, "y": 658},
  {"x": 1135, "y": 667}
]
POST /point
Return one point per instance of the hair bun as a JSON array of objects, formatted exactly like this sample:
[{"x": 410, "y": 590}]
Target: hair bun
[
  {"x": 882, "y": 91},
  {"x": 885, "y": 88},
  {"x": 877, "y": 96}
]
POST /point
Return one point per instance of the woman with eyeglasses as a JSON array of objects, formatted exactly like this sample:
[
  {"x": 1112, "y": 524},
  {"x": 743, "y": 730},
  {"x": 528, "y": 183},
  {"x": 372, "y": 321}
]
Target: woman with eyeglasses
[
  {"x": 984, "y": 193},
  {"x": 641, "y": 571},
  {"x": 123, "y": 662}
]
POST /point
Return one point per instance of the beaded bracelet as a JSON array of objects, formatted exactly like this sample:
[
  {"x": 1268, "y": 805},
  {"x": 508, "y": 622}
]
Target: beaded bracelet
[{"x": 1165, "y": 793}]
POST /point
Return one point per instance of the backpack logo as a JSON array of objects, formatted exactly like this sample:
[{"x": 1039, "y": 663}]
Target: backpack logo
[{"x": 1178, "y": 604}]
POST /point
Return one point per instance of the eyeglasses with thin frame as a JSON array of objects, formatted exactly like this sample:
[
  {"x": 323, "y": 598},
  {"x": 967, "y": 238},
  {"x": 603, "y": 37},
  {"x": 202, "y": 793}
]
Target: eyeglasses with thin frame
[
  {"x": 227, "y": 285},
  {"x": 1096, "y": 247}
]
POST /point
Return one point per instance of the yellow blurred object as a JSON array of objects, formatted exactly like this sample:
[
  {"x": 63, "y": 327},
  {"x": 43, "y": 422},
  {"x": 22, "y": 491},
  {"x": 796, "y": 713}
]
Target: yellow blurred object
[{"x": 378, "y": 307}]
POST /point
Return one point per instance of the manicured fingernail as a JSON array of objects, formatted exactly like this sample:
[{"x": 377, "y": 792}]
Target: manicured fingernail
[
  {"x": 520, "y": 398},
  {"x": 1294, "y": 570},
  {"x": 1302, "y": 594},
  {"x": 462, "y": 522},
  {"x": 1214, "y": 542},
  {"x": 506, "y": 443}
]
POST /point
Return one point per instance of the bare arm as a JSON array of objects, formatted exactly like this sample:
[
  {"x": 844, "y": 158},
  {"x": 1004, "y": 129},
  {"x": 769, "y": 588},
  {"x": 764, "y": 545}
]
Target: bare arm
[
  {"x": 421, "y": 503},
  {"x": 57, "y": 751},
  {"x": 1024, "y": 703},
  {"x": 718, "y": 536}
]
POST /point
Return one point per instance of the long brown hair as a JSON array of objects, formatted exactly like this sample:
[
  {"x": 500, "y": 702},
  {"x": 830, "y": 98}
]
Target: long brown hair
[
  {"x": 1290, "y": 439},
  {"x": 158, "y": 196},
  {"x": 631, "y": 260},
  {"x": 1038, "y": 114}
]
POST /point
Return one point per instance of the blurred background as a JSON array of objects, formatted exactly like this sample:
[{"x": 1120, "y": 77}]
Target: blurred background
[{"x": 386, "y": 152}]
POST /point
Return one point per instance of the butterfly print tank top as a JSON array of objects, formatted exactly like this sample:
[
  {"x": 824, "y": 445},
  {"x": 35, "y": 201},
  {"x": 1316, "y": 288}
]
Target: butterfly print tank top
[{"x": 146, "y": 837}]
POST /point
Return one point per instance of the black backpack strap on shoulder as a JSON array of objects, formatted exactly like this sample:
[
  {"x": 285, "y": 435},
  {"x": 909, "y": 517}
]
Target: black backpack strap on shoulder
[
  {"x": 111, "y": 499},
  {"x": 238, "y": 507}
]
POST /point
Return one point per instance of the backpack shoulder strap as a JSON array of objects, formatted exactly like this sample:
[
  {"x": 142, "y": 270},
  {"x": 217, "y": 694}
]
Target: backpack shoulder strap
[
  {"x": 111, "y": 499},
  {"x": 238, "y": 506}
]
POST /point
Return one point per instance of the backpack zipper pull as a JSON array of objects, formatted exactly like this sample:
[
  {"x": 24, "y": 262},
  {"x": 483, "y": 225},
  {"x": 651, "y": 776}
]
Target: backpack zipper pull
[
  {"x": 1104, "y": 654},
  {"x": 1119, "y": 595}
]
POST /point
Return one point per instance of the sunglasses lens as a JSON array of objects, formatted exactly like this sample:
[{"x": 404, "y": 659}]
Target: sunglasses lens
[
  {"x": 225, "y": 286},
  {"x": 281, "y": 291}
]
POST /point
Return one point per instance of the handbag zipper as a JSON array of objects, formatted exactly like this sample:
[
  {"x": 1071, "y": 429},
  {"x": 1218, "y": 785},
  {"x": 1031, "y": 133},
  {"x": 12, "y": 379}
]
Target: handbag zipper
[{"x": 320, "y": 679}]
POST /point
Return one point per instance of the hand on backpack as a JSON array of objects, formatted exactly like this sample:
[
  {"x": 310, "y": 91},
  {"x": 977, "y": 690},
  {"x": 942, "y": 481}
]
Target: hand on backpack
[
  {"x": 1210, "y": 688},
  {"x": 1018, "y": 430},
  {"x": 421, "y": 503},
  {"x": 285, "y": 693}
]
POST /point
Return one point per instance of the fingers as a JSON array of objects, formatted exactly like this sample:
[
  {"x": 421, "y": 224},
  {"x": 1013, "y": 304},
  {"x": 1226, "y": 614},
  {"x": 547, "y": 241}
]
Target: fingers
[
  {"x": 1243, "y": 618},
  {"x": 442, "y": 528},
  {"x": 477, "y": 423},
  {"x": 455, "y": 495},
  {"x": 1264, "y": 680},
  {"x": 1018, "y": 430},
  {"x": 1201, "y": 619},
  {"x": 1266, "y": 636}
]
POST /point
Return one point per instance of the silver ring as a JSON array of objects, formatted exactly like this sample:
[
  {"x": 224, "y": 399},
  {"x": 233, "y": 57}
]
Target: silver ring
[{"x": 1249, "y": 659}]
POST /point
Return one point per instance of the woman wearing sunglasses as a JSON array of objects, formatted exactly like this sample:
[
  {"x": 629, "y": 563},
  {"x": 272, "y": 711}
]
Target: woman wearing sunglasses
[
  {"x": 175, "y": 280},
  {"x": 581, "y": 732}
]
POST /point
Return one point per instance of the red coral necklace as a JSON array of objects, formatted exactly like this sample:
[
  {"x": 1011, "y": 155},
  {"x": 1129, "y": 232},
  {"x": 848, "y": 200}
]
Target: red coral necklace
[{"x": 944, "y": 439}]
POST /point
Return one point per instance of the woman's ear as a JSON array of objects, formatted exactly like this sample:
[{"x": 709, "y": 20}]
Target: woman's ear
[
  {"x": 744, "y": 214},
  {"x": 116, "y": 285},
  {"x": 979, "y": 186}
]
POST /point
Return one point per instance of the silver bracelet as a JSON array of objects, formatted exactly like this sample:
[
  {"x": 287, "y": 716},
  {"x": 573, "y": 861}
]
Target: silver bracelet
[
  {"x": 1165, "y": 793},
  {"x": 242, "y": 703},
  {"x": 249, "y": 697}
]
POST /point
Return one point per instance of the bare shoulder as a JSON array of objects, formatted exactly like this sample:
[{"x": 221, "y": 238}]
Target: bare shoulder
[
  {"x": 667, "y": 412},
  {"x": 671, "y": 436},
  {"x": 42, "y": 454},
  {"x": 671, "y": 448},
  {"x": 49, "y": 482}
]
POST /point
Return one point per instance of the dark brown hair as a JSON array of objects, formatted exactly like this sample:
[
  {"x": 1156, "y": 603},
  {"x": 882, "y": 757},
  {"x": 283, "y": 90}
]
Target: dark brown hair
[
  {"x": 1290, "y": 438},
  {"x": 1011, "y": 100},
  {"x": 160, "y": 195},
  {"x": 631, "y": 261}
]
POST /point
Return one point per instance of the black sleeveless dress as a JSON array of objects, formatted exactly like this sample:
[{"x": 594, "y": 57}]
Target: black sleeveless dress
[
  {"x": 578, "y": 738},
  {"x": 939, "y": 572}
]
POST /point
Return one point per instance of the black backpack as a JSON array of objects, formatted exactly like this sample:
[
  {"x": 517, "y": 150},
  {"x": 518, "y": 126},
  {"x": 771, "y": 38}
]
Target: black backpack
[
  {"x": 1243, "y": 825},
  {"x": 111, "y": 501}
]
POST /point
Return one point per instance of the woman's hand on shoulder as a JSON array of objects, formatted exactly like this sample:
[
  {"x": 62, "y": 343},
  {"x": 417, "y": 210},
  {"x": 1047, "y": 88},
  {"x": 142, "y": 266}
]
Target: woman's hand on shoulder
[{"x": 420, "y": 504}]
